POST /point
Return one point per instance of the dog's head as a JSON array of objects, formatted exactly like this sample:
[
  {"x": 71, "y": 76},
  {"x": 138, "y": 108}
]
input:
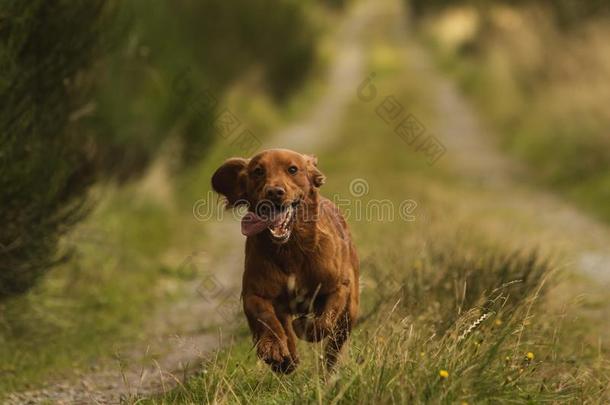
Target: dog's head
[{"x": 273, "y": 183}]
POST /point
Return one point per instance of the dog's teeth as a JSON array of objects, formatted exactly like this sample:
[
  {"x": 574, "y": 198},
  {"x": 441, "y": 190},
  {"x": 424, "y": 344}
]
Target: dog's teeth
[{"x": 283, "y": 221}]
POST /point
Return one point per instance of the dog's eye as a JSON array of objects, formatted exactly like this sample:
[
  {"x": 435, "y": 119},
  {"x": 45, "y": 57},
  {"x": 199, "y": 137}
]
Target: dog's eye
[
  {"x": 293, "y": 170},
  {"x": 258, "y": 172}
]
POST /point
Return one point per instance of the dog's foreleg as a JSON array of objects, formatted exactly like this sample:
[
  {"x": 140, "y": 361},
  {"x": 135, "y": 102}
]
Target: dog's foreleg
[{"x": 268, "y": 333}]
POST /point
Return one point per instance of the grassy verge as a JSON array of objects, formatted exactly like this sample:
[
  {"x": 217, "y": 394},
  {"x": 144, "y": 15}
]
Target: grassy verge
[
  {"x": 458, "y": 306},
  {"x": 66, "y": 321}
]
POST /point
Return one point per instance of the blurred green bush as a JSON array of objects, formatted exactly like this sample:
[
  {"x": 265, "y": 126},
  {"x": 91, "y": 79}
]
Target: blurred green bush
[
  {"x": 44, "y": 164},
  {"x": 172, "y": 68},
  {"x": 93, "y": 90}
]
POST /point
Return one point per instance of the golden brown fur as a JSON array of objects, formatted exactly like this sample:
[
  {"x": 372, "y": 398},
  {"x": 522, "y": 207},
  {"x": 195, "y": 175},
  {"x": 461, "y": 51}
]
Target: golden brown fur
[{"x": 307, "y": 286}]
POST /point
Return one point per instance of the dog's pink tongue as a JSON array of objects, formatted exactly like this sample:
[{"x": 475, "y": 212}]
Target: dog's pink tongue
[{"x": 252, "y": 224}]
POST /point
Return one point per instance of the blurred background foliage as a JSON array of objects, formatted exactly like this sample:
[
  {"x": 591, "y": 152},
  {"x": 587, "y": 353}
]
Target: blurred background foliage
[
  {"x": 96, "y": 93},
  {"x": 93, "y": 90},
  {"x": 538, "y": 71},
  {"x": 565, "y": 12}
]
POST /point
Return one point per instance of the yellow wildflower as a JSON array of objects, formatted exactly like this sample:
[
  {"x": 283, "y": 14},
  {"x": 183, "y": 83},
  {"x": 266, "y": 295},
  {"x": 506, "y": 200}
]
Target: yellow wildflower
[
  {"x": 529, "y": 356},
  {"x": 443, "y": 373}
]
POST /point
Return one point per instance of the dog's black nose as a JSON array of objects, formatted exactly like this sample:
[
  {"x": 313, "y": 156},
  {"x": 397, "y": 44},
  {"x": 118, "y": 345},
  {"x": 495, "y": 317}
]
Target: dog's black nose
[{"x": 275, "y": 193}]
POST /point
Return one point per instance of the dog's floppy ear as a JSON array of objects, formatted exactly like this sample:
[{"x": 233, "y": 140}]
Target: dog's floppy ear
[
  {"x": 316, "y": 177},
  {"x": 230, "y": 181}
]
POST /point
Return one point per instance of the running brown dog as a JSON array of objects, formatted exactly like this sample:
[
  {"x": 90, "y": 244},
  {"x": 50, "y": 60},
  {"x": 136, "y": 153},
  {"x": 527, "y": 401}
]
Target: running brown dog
[{"x": 301, "y": 266}]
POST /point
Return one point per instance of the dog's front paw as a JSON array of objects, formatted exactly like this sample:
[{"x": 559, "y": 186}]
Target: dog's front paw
[{"x": 276, "y": 354}]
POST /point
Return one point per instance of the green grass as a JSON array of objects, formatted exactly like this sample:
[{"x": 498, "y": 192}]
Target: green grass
[
  {"x": 462, "y": 290},
  {"x": 411, "y": 334}
]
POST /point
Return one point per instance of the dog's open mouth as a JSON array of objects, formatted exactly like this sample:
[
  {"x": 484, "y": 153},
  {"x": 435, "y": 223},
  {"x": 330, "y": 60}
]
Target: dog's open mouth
[{"x": 281, "y": 222}]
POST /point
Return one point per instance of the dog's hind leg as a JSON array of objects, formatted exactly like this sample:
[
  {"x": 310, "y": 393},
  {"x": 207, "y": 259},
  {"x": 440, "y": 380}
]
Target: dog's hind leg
[
  {"x": 337, "y": 339},
  {"x": 345, "y": 323},
  {"x": 286, "y": 320},
  {"x": 322, "y": 325}
]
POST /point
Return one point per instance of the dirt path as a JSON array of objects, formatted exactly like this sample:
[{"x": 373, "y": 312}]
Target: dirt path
[
  {"x": 318, "y": 129},
  {"x": 472, "y": 152},
  {"x": 191, "y": 330}
]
